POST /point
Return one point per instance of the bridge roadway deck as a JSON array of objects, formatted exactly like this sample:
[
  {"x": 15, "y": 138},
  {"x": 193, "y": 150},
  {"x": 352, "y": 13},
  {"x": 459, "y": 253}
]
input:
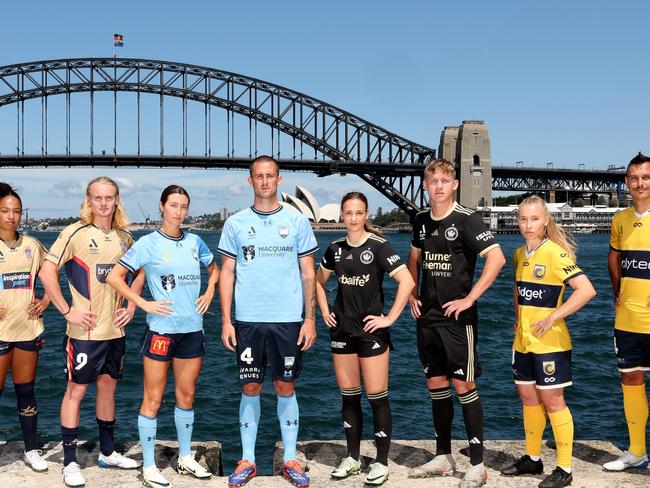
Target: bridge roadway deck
[{"x": 320, "y": 457}]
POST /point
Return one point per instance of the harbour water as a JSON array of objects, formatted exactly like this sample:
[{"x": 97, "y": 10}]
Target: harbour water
[{"x": 595, "y": 398}]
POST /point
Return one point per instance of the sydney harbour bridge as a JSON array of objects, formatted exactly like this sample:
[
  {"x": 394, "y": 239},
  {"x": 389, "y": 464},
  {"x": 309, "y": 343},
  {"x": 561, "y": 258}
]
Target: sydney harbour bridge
[{"x": 121, "y": 112}]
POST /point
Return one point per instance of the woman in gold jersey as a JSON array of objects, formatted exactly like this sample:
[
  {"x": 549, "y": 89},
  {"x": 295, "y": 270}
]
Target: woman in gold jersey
[
  {"x": 541, "y": 356},
  {"x": 21, "y": 323}
]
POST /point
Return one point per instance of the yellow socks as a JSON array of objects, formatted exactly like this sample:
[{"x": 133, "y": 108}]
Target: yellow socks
[
  {"x": 635, "y": 402},
  {"x": 562, "y": 424},
  {"x": 534, "y": 425}
]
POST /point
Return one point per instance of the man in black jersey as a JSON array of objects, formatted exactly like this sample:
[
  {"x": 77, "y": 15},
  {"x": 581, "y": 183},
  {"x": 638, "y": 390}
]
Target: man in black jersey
[{"x": 446, "y": 242}]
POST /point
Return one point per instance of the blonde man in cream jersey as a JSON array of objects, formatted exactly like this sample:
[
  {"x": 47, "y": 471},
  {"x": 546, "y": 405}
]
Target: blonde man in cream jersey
[{"x": 94, "y": 343}]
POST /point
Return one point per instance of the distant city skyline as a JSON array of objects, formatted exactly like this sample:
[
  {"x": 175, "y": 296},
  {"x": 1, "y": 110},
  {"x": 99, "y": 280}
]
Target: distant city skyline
[{"x": 554, "y": 81}]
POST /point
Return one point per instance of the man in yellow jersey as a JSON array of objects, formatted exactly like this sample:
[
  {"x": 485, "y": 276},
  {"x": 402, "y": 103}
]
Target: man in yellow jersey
[
  {"x": 629, "y": 270},
  {"x": 94, "y": 344}
]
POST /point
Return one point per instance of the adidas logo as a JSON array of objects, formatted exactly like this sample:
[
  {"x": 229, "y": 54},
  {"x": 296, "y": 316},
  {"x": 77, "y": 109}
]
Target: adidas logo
[
  {"x": 376, "y": 346},
  {"x": 474, "y": 440},
  {"x": 459, "y": 371},
  {"x": 381, "y": 433},
  {"x": 349, "y": 256},
  {"x": 435, "y": 233},
  {"x": 346, "y": 425}
]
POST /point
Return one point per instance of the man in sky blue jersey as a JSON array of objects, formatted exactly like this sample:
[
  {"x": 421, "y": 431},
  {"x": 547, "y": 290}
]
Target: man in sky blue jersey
[{"x": 272, "y": 251}]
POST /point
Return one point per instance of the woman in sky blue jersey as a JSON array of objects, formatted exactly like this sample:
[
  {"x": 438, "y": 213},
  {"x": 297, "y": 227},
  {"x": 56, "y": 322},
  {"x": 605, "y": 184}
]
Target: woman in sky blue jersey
[
  {"x": 171, "y": 259},
  {"x": 359, "y": 330}
]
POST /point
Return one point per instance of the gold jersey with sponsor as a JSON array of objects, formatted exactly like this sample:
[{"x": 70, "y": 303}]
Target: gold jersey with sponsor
[
  {"x": 89, "y": 254},
  {"x": 541, "y": 277},
  {"x": 20, "y": 261},
  {"x": 631, "y": 237}
]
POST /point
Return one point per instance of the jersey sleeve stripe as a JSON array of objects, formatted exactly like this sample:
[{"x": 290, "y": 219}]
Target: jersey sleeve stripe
[
  {"x": 308, "y": 252},
  {"x": 226, "y": 253},
  {"x": 326, "y": 268},
  {"x": 396, "y": 270},
  {"x": 575, "y": 275},
  {"x": 489, "y": 248},
  {"x": 127, "y": 266},
  {"x": 614, "y": 249}
]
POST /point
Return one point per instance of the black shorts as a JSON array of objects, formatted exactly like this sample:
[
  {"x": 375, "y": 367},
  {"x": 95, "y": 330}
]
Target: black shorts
[
  {"x": 449, "y": 351},
  {"x": 259, "y": 343},
  {"x": 34, "y": 345},
  {"x": 545, "y": 371},
  {"x": 632, "y": 351},
  {"x": 165, "y": 347},
  {"x": 85, "y": 360},
  {"x": 363, "y": 344}
]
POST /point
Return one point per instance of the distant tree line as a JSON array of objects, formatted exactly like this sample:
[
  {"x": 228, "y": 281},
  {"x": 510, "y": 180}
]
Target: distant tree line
[{"x": 395, "y": 216}]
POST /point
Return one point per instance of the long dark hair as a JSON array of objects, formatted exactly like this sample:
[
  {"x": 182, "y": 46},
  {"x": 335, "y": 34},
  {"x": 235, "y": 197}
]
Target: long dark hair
[
  {"x": 7, "y": 191},
  {"x": 170, "y": 190},
  {"x": 357, "y": 195}
]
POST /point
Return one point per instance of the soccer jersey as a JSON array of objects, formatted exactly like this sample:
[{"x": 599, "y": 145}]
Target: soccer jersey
[
  {"x": 631, "y": 237},
  {"x": 449, "y": 246},
  {"x": 20, "y": 261},
  {"x": 541, "y": 278},
  {"x": 266, "y": 247},
  {"x": 89, "y": 254},
  {"x": 360, "y": 271},
  {"x": 172, "y": 267}
]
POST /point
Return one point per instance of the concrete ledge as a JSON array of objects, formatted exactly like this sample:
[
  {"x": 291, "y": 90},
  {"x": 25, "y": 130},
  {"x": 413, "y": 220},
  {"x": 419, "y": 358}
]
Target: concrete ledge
[{"x": 321, "y": 457}]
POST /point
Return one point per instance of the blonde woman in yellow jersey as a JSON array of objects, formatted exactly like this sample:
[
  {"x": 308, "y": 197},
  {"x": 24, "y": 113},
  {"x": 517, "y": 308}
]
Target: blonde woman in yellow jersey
[
  {"x": 541, "y": 361},
  {"x": 21, "y": 323},
  {"x": 629, "y": 270}
]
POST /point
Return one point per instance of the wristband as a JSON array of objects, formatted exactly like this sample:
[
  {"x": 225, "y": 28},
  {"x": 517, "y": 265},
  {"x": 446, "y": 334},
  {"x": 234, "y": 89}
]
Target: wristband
[{"x": 69, "y": 309}]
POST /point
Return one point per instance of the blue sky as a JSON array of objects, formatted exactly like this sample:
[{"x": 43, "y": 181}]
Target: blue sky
[{"x": 555, "y": 80}]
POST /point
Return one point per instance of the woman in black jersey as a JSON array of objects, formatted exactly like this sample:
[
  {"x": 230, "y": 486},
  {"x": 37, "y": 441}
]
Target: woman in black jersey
[
  {"x": 21, "y": 322},
  {"x": 359, "y": 329}
]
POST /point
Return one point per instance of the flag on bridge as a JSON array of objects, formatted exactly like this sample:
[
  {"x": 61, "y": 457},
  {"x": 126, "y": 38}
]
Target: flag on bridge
[{"x": 118, "y": 40}]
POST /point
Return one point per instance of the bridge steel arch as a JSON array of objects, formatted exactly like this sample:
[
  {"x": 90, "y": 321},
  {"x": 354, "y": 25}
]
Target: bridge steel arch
[{"x": 342, "y": 142}]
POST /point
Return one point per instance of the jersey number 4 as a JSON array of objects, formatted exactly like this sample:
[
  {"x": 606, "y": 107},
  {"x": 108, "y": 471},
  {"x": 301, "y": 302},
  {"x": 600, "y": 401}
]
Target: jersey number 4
[{"x": 247, "y": 356}]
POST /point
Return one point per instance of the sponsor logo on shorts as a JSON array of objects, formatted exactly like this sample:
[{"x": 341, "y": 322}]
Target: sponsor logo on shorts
[
  {"x": 287, "y": 373},
  {"x": 367, "y": 256},
  {"x": 354, "y": 280},
  {"x": 168, "y": 282},
  {"x": 283, "y": 231},
  {"x": 288, "y": 361},
  {"x": 249, "y": 253},
  {"x": 159, "y": 345},
  {"x": 451, "y": 233},
  {"x": 338, "y": 345},
  {"x": 376, "y": 345},
  {"x": 249, "y": 373},
  {"x": 102, "y": 271},
  {"x": 459, "y": 371},
  {"x": 548, "y": 367},
  {"x": 16, "y": 281}
]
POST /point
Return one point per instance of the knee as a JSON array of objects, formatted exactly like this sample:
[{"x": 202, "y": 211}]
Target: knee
[
  {"x": 437, "y": 382},
  {"x": 634, "y": 378},
  {"x": 150, "y": 405},
  {"x": 25, "y": 398},
  {"x": 252, "y": 389},
  {"x": 462, "y": 387},
  {"x": 185, "y": 397},
  {"x": 106, "y": 385},
  {"x": 76, "y": 392},
  {"x": 284, "y": 389}
]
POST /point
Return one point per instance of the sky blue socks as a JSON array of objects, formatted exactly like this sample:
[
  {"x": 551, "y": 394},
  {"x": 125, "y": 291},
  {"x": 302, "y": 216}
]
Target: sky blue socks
[
  {"x": 289, "y": 415},
  {"x": 184, "y": 420},
  {"x": 249, "y": 418},
  {"x": 147, "y": 429}
]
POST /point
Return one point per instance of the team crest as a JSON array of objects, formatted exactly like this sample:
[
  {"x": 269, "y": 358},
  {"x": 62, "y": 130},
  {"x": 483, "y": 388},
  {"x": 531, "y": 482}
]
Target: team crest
[
  {"x": 283, "y": 231},
  {"x": 548, "y": 367},
  {"x": 168, "y": 282},
  {"x": 249, "y": 253},
  {"x": 539, "y": 271},
  {"x": 451, "y": 233},
  {"x": 288, "y": 361},
  {"x": 367, "y": 256},
  {"x": 28, "y": 252}
]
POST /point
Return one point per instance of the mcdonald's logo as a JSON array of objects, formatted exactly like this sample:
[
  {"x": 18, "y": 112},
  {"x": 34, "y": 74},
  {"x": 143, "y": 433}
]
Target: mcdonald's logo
[{"x": 159, "y": 345}]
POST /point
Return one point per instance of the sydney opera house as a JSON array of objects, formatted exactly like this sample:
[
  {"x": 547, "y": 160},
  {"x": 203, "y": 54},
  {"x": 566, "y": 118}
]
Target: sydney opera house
[{"x": 305, "y": 203}]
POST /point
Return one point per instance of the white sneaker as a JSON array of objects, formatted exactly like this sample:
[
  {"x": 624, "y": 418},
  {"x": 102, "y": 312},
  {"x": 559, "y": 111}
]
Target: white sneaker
[
  {"x": 34, "y": 460},
  {"x": 72, "y": 475},
  {"x": 188, "y": 465},
  {"x": 154, "y": 478},
  {"x": 627, "y": 461},
  {"x": 377, "y": 476},
  {"x": 348, "y": 467},
  {"x": 441, "y": 465},
  {"x": 116, "y": 460},
  {"x": 474, "y": 477}
]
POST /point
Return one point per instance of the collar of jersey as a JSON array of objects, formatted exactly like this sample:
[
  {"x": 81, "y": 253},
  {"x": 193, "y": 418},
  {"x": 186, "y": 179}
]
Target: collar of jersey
[
  {"x": 529, "y": 254},
  {"x": 447, "y": 214},
  {"x": 15, "y": 241},
  {"x": 259, "y": 212},
  {"x": 182, "y": 236},
  {"x": 642, "y": 214},
  {"x": 360, "y": 243}
]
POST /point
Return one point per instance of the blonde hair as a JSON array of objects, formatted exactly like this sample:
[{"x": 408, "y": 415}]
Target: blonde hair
[
  {"x": 440, "y": 165},
  {"x": 120, "y": 220},
  {"x": 554, "y": 231}
]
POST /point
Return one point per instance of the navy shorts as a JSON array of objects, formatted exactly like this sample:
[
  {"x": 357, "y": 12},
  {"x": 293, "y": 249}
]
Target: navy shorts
[
  {"x": 165, "y": 347},
  {"x": 545, "y": 371},
  {"x": 34, "y": 345},
  {"x": 449, "y": 351},
  {"x": 261, "y": 343},
  {"x": 363, "y": 344},
  {"x": 632, "y": 351},
  {"x": 85, "y": 360}
]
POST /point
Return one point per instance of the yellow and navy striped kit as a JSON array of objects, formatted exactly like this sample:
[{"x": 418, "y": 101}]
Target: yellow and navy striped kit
[
  {"x": 89, "y": 254},
  {"x": 20, "y": 261},
  {"x": 541, "y": 279},
  {"x": 631, "y": 237}
]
